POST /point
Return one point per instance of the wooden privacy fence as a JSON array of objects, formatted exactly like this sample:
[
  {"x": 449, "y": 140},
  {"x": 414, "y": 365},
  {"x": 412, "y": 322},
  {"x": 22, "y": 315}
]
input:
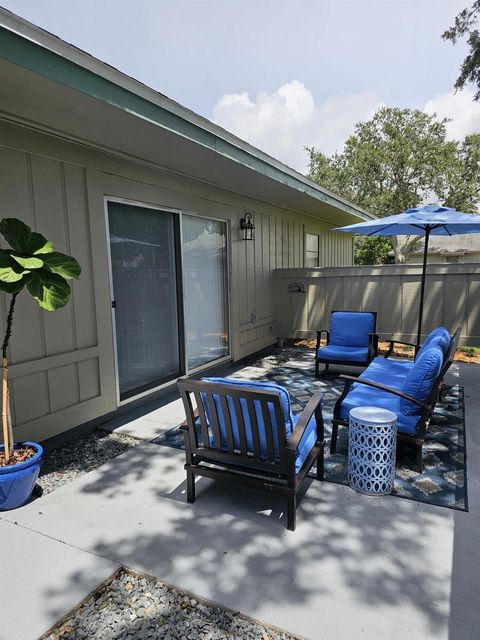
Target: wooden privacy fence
[{"x": 305, "y": 298}]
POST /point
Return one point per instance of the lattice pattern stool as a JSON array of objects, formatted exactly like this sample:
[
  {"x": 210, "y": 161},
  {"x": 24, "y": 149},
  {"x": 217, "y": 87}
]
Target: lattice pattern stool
[{"x": 372, "y": 440}]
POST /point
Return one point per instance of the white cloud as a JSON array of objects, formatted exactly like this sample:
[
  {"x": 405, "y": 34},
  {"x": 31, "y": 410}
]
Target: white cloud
[
  {"x": 460, "y": 107},
  {"x": 282, "y": 123}
]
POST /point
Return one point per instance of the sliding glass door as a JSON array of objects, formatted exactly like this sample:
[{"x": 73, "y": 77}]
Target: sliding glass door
[
  {"x": 145, "y": 273},
  {"x": 160, "y": 333},
  {"x": 205, "y": 281}
]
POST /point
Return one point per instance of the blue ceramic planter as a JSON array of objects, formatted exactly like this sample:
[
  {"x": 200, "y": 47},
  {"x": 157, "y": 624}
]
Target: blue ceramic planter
[{"x": 17, "y": 481}]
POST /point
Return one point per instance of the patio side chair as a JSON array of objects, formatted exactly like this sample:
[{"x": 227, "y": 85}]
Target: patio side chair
[
  {"x": 245, "y": 430},
  {"x": 351, "y": 340}
]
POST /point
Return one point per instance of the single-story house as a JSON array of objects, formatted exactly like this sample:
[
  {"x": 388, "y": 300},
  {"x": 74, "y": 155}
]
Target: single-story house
[
  {"x": 462, "y": 248},
  {"x": 149, "y": 197}
]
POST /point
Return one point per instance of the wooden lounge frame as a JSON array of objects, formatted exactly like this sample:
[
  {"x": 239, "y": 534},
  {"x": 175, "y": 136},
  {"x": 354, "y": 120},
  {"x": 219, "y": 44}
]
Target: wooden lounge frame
[
  {"x": 213, "y": 459},
  {"x": 427, "y": 406},
  {"x": 372, "y": 346}
]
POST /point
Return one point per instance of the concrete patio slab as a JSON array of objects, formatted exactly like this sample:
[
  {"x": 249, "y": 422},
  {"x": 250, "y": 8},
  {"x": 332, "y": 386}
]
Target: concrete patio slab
[
  {"x": 33, "y": 569},
  {"x": 355, "y": 567}
]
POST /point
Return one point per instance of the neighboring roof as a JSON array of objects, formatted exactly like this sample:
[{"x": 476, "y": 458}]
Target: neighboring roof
[
  {"x": 29, "y": 53},
  {"x": 453, "y": 245}
]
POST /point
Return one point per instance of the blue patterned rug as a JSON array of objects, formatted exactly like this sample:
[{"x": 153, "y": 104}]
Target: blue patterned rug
[{"x": 443, "y": 481}]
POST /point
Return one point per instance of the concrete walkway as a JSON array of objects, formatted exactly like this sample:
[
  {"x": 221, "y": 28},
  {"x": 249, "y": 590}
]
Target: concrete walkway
[{"x": 356, "y": 567}]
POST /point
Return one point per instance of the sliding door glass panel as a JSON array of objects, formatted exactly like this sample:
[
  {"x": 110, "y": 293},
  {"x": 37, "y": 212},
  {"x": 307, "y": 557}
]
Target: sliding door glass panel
[
  {"x": 205, "y": 278},
  {"x": 143, "y": 256}
]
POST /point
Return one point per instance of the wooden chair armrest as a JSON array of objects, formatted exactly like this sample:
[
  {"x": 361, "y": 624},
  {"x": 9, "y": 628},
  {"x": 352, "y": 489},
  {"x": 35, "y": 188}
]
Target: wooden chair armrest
[
  {"x": 382, "y": 387},
  {"x": 372, "y": 345},
  {"x": 184, "y": 425},
  {"x": 392, "y": 344},
  {"x": 305, "y": 416},
  {"x": 319, "y": 337}
]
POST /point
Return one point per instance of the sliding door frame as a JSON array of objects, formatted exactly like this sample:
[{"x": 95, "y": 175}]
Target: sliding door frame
[
  {"x": 179, "y": 292},
  {"x": 228, "y": 276},
  {"x": 180, "y": 288}
]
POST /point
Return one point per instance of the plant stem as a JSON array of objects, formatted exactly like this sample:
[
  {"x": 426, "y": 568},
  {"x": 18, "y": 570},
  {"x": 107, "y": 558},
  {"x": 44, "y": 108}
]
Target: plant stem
[
  {"x": 8, "y": 331},
  {"x": 8, "y": 441}
]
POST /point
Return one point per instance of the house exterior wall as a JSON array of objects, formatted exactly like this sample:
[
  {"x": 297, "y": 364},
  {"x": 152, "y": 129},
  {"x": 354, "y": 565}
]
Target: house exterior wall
[
  {"x": 62, "y": 364},
  {"x": 452, "y": 299},
  {"x": 438, "y": 258}
]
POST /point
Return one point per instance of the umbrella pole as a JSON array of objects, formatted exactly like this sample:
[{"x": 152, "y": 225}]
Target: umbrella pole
[{"x": 422, "y": 290}]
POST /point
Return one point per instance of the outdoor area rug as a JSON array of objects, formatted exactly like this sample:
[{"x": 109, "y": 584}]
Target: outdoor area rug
[{"x": 443, "y": 481}]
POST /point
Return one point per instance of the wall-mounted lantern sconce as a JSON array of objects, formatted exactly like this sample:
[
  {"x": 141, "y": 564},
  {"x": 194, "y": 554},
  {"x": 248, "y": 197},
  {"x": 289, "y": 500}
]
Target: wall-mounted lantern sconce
[{"x": 247, "y": 226}]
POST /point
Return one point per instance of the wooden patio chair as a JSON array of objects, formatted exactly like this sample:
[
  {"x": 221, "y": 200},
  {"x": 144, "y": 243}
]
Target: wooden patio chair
[{"x": 246, "y": 430}]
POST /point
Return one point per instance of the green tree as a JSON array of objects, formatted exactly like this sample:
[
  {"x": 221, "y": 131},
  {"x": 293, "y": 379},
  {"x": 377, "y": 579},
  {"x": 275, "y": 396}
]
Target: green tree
[
  {"x": 399, "y": 159},
  {"x": 372, "y": 250},
  {"x": 464, "y": 26}
]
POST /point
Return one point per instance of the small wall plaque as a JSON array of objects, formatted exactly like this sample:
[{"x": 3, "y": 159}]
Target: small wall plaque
[{"x": 297, "y": 287}]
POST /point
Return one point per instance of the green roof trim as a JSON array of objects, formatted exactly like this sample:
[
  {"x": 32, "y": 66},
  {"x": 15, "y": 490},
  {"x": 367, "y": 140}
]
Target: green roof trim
[{"x": 40, "y": 60}]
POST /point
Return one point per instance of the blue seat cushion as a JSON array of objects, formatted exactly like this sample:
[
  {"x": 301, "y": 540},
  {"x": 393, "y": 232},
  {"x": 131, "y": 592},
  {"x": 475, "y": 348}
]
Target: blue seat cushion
[
  {"x": 438, "y": 337},
  {"x": 420, "y": 379},
  {"x": 248, "y": 385},
  {"x": 351, "y": 328},
  {"x": 363, "y": 396},
  {"x": 388, "y": 371},
  {"x": 307, "y": 442},
  {"x": 343, "y": 354}
]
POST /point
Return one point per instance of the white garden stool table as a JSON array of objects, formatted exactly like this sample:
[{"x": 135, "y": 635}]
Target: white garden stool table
[{"x": 372, "y": 440}]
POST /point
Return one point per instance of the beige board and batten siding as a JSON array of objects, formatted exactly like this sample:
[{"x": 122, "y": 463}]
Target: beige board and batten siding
[
  {"x": 452, "y": 299},
  {"x": 62, "y": 364}
]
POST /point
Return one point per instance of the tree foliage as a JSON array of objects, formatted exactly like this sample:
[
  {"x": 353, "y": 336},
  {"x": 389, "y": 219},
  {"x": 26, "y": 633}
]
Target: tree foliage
[
  {"x": 372, "y": 250},
  {"x": 464, "y": 26},
  {"x": 399, "y": 159}
]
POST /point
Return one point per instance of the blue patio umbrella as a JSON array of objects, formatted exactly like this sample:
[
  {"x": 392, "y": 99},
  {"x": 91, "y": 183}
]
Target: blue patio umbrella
[{"x": 421, "y": 221}]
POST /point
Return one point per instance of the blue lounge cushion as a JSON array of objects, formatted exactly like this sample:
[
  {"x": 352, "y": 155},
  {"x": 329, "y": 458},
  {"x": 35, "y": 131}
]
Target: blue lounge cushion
[
  {"x": 419, "y": 381},
  {"x": 343, "y": 354},
  {"x": 306, "y": 443},
  {"x": 438, "y": 337},
  {"x": 351, "y": 328},
  {"x": 388, "y": 371},
  {"x": 363, "y": 396}
]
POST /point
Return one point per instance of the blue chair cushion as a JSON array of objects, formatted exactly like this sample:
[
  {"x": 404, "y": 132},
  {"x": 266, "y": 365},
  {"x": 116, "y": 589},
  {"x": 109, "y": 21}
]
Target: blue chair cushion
[
  {"x": 363, "y": 396},
  {"x": 251, "y": 386},
  {"x": 420, "y": 379},
  {"x": 438, "y": 337},
  {"x": 388, "y": 371},
  {"x": 344, "y": 354},
  {"x": 351, "y": 328},
  {"x": 306, "y": 443}
]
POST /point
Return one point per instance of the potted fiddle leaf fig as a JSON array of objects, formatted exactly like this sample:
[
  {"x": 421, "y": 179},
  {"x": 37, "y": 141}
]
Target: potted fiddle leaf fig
[{"x": 29, "y": 264}]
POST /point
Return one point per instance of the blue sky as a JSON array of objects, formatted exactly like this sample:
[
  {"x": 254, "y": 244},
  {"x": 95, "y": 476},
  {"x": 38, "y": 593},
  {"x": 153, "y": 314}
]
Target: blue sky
[{"x": 281, "y": 73}]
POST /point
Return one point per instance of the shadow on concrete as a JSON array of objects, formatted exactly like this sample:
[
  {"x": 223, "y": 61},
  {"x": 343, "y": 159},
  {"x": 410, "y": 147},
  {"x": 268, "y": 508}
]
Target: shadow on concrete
[{"x": 232, "y": 546}]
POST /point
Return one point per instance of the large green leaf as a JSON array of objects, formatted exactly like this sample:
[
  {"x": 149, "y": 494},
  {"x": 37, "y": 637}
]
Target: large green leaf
[
  {"x": 63, "y": 265},
  {"x": 37, "y": 244},
  {"x": 10, "y": 271},
  {"x": 27, "y": 262},
  {"x": 14, "y": 287},
  {"x": 21, "y": 238},
  {"x": 16, "y": 233},
  {"x": 49, "y": 289}
]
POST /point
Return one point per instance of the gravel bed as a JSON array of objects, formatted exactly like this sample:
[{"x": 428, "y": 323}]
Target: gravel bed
[
  {"x": 135, "y": 607},
  {"x": 81, "y": 455}
]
